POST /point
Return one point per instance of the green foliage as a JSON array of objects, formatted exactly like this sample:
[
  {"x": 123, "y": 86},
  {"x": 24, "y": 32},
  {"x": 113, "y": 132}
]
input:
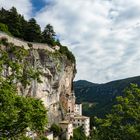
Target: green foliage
[
  {"x": 23, "y": 138},
  {"x": 4, "y": 28},
  {"x": 49, "y": 35},
  {"x": 56, "y": 129},
  {"x": 12, "y": 19},
  {"x": 78, "y": 134},
  {"x": 64, "y": 50},
  {"x": 12, "y": 22},
  {"x": 17, "y": 113},
  {"x": 94, "y": 134},
  {"x": 57, "y": 42},
  {"x": 33, "y": 31},
  {"x": 124, "y": 120},
  {"x": 15, "y": 58},
  {"x": 43, "y": 138}
]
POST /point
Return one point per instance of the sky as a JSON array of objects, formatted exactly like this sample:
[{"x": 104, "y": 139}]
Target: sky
[{"x": 104, "y": 35}]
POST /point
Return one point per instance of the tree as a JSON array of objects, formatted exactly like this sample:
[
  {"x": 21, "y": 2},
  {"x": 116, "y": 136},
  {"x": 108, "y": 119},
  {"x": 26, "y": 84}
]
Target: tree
[
  {"x": 4, "y": 28},
  {"x": 78, "y": 134},
  {"x": 48, "y": 35},
  {"x": 56, "y": 129},
  {"x": 27, "y": 30},
  {"x": 17, "y": 113},
  {"x": 124, "y": 120},
  {"x": 23, "y": 27},
  {"x": 13, "y": 22},
  {"x": 4, "y": 16},
  {"x": 33, "y": 31}
]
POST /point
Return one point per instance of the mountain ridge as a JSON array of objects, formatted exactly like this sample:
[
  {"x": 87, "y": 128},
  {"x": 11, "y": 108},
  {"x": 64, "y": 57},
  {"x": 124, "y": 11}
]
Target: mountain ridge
[
  {"x": 132, "y": 77},
  {"x": 97, "y": 99}
]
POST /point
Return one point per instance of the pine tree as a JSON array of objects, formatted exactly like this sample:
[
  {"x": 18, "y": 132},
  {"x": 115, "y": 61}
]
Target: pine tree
[
  {"x": 33, "y": 31},
  {"x": 49, "y": 35},
  {"x": 13, "y": 22}
]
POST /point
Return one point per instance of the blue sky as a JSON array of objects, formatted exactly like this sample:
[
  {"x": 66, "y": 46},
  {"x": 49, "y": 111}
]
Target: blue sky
[
  {"x": 102, "y": 34},
  {"x": 38, "y": 4}
]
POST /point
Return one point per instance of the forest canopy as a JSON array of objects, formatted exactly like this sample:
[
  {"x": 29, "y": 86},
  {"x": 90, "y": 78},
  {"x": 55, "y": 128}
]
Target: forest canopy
[{"x": 15, "y": 24}]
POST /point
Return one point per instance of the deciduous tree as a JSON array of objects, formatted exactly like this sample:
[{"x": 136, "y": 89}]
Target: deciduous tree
[{"x": 123, "y": 123}]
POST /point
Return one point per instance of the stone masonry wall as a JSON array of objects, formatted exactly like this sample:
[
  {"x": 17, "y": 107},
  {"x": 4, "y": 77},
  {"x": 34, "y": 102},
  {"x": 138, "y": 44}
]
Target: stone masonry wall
[{"x": 20, "y": 42}]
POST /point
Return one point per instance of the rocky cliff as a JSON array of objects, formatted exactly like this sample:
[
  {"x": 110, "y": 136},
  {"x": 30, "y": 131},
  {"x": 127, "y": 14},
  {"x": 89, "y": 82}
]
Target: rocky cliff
[{"x": 57, "y": 73}]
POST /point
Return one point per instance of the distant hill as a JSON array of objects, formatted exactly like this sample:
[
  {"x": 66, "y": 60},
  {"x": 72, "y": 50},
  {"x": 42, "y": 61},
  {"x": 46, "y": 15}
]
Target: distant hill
[{"x": 97, "y": 99}]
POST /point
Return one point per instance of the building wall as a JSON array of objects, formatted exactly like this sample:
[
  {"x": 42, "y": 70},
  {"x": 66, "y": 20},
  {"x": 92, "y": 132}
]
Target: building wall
[
  {"x": 82, "y": 121},
  {"x": 78, "y": 109},
  {"x": 20, "y": 42},
  {"x": 71, "y": 104},
  {"x": 67, "y": 130},
  {"x": 87, "y": 127},
  {"x": 50, "y": 136}
]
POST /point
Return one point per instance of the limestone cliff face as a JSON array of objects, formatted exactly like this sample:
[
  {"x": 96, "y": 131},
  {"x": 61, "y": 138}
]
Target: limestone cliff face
[
  {"x": 57, "y": 77},
  {"x": 57, "y": 74}
]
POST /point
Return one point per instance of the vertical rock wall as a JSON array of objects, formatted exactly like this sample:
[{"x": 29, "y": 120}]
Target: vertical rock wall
[
  {"x": 57, "y": 74},
  {"x": 57, "y": 77}
]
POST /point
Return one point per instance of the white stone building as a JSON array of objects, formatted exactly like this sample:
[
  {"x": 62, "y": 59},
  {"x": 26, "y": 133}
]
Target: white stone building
[
  {"x": 83, "y": 121},
  {"x": 67, "y": 128},
  {"x": 49, "y": 135},
  {"x": 74, "y": 116},
  {"x": 78, "y": 109}
]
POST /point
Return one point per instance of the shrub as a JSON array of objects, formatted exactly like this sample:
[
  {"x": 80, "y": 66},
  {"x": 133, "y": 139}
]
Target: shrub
[
  {"x": 4, "y": 28},
  {"x": 64, "y": 50},
  {"x": 56, "y": 129}
]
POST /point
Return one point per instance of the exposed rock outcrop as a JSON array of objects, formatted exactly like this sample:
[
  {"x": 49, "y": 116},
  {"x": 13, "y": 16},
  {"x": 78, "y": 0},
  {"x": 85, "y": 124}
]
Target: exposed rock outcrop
[{"x": 57, "y": 76}]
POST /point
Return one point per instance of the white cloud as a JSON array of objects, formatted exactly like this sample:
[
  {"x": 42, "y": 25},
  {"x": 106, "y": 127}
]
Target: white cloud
[
  {"x": 24, "y": 7},
  {"x": 103, "y": 34}
]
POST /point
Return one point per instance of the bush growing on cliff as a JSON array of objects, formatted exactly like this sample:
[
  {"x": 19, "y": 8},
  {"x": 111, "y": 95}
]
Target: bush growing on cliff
[
  {"x": 56, "y": 129},
  {"x": 64, "y": 50},
  {"x": 17, "y": 113},
  {"x": 4, "y": 28}
]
